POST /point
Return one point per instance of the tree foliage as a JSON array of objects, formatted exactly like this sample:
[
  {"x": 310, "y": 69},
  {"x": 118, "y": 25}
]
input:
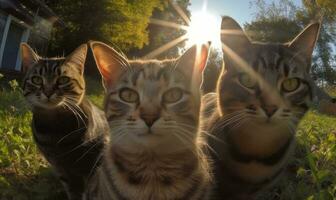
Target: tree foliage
[
  {"x": 121, "y": 23},
  {"x": 328, "y": 7},
  {"x": 272, "y": 30},
  {"x": 161, "y": 35},
  {"x": 212, "y": 71}
]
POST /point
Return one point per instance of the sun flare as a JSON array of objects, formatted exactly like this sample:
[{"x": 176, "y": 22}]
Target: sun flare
[{"x": 203, "y": 28}]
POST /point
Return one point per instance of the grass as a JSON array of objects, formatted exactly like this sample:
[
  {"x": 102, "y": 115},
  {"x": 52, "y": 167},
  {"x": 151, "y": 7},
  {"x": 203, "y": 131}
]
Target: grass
[{"x": 25, "y": 175}]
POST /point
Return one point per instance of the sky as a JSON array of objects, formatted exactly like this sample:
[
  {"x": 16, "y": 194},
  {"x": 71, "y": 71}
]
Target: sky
[{"x": 240, "y": 10}]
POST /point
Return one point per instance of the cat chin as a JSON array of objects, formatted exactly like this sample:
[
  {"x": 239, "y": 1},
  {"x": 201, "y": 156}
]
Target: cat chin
[
  {"x": 150, "y": 142},
  {"x": 47, "y": 105}
]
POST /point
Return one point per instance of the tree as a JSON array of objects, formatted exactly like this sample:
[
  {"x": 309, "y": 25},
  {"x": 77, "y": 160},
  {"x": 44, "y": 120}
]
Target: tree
[
  {"x": 161, "y": 35},
  {"x": 212, "y": 71},
  {"x": 272, "y": 30},
  {"x": 323, "y": 57},
  {"x": 274, "y": 22},
  {"x": 121, "y": 23},
  {"x": 327, "y": 7}
]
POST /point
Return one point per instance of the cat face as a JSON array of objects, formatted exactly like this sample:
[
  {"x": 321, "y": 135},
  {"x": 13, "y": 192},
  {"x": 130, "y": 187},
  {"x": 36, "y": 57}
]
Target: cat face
[
  {"x": 265, "y": 84},
  {"x": 151, "y": 102},
  {"x": 53, "y": 82}
]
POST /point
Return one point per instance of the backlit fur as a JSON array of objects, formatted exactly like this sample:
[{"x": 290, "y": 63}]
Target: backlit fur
[
  {"x": 163, "y": 161},
  {"x": 249, "y": 144}
]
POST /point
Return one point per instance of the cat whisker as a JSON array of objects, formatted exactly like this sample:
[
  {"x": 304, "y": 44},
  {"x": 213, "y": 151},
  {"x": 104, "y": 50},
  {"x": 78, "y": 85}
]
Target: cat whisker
[
  {"x": 230, "y": 120},
  {"x": 230, "y": 124},
  {"x": 212, "y": 136},
  {"x": 240, "y": 123},
  {"x": 117, "y": 137},
  {"x": 93, "y": 169},
  {"x": 75, "y": 148},
  {"x": 231, "y": 115},
  {"x": 93, "y": 146},
  {"x": 114, "y": 125},
  {"x": 76, "y": 107},
  {"x": 69, "y": 108},
  {"x": 192, "y": 128},
  {"x": 67, "y": 135},
  {"x": 80, "y": 110},
  {"x": 208, "y": 147},
  {"x": 187, "y": 143},
  {"x": 190, "y": 135},
  {"x": 75, "y": 112}
]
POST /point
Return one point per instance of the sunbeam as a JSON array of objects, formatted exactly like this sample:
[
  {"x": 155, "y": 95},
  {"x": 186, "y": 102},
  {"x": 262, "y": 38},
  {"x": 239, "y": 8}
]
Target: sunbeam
[
  {"x": 179, "y": 10},
  {"x": 246, "y": 67},
  {"x": 168, "y": 24},
  {"x": 165, "y": 47},
  {"x": 200, "y": 29}
]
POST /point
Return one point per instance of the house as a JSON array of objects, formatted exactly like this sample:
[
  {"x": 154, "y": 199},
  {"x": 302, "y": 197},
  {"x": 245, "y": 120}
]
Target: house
[{"x": 23, "y": 21}]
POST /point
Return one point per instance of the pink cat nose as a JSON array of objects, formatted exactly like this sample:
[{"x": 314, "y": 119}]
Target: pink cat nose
[
  {"x": 269, "y": 110},
  {"x": 149, "y": 119}
]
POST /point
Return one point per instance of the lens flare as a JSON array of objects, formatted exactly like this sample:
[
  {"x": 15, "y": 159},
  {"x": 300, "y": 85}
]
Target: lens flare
[{"x": 203, "y": 28}]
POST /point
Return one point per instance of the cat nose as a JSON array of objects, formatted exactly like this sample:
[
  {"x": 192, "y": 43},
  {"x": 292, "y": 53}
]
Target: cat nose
[
  {"x": 150, "y": 119},
  {"x": 270, "y": 110},
  {"x": 48, "y": 93}
]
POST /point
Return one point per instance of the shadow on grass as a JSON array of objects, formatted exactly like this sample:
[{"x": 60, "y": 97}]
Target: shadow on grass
[{"x": 41, "y": 186}]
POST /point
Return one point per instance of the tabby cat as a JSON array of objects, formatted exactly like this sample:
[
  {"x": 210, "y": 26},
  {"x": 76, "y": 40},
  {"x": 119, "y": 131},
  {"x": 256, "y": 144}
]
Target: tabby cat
[
  {"x": 67, "y": 128},
  {"x": 263, "y": 92},
  {"x": 153, "y": 111}
]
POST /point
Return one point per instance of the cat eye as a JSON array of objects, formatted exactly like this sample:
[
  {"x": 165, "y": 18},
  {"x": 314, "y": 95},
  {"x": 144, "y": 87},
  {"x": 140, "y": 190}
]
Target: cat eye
[
  {"x": 247, "y": 81},
  {"x": 37, "y": 80},
  {"x": 291, "y": 84},
  {"x": 172, "y": 95},
  {"x": 129, "y": 95},
  {"x": 63, "y": 80}
]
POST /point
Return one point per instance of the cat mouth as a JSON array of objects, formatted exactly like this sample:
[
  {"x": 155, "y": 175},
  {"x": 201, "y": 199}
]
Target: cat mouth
[
  {"x": 146, "y": 134},
  {"x": 149, "y": 132},
  {"x": 48, "y": 104}
]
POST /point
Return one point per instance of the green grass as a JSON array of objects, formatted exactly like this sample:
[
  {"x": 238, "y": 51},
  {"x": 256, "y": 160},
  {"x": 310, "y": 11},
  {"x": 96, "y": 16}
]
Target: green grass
[
  {"x": 25, "y": 175},
  {"x": 311, "y": 173}
]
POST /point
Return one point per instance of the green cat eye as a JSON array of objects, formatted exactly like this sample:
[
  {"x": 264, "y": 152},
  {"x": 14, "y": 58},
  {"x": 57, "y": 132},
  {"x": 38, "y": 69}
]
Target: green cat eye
[
  {"x": 37, "y": 80},
  {"x": 63, "y": 80},
  {"x": 172, "y": 95},
  {"x": 290, "y": 84},
  {"x": 247, "y": 81},
  {"x": 128, "y": 95}
]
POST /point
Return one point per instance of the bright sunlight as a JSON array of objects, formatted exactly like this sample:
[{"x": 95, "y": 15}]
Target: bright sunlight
[{"x": 203, "y": 28}]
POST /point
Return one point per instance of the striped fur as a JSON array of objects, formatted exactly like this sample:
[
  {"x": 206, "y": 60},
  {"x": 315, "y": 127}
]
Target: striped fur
[
  {"x": 252, "y": 128},
  {"x": 157, "y": 160},
  {"x": 67, "y": 128}
]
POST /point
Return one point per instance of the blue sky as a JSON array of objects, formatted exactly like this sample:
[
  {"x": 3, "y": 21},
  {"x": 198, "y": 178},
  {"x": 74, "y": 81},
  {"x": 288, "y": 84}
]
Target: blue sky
[{"x": 240, "y": 10}]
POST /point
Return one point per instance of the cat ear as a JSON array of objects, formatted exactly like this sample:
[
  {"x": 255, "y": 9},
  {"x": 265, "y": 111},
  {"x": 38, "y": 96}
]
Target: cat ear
[
  {"x": 233, "y": 36},
  {"x": 29, "y": 57},
  {"x": 109, "y": 62},
  {"x": 305, "y": 42},
  {"x": 193, "y": 62},
  {"x": 77, "y": 57}
]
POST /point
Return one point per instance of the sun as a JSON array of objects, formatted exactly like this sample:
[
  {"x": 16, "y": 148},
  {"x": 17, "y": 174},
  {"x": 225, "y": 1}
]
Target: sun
[{"x": 203, "y": 27}]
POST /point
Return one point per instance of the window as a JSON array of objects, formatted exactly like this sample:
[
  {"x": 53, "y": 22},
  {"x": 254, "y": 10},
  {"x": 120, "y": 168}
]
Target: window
[{"x": 3, "y": 19}]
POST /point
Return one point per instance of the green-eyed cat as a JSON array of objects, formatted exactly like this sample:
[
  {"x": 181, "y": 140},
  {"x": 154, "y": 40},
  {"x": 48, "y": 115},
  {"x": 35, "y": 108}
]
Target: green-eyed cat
[
  {"x": 153, "y": 111},
  {"x": 67, "y": 128},
  {"x": 263, "y": 92}
]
